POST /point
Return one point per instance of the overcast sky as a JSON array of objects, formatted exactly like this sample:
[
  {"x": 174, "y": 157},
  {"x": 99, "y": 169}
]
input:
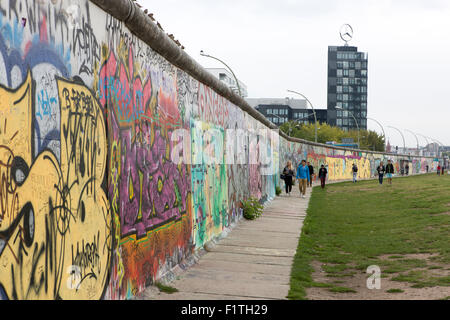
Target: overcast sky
[{"x": 277, "y": 45}]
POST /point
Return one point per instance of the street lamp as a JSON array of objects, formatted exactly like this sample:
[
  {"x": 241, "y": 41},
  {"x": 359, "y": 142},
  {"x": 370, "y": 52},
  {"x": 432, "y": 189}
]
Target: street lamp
[
  {"x": 357, "y": 125},
  {"x": 426, "y": 139},
  {"x": 314, "y": 112},
  {"x": 403, "y": 137},
  {"x": 417, "y": 140},
  {"x": 382, "y": 129},
  {"x": 235, "y": 78}
]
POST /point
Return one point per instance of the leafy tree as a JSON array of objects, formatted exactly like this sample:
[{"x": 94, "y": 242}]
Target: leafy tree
[{"x": 369, "y": 140}]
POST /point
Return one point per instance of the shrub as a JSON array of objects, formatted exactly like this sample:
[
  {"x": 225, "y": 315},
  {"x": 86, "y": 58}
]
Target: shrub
[
  {"x": 277, "y": 190},
  {"x": 252, "y": 209}
]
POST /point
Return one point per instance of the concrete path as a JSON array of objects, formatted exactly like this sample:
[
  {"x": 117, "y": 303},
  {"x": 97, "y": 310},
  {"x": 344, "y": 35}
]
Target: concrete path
[{"x": 253, "y": 262}]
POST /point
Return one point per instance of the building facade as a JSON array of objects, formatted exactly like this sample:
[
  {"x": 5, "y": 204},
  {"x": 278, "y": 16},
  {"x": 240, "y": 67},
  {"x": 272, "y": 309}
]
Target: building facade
[
  {"x": 227, "y": 77},
  {"x": 347, "y": 87},
  {"x": 279, "y": 111}
]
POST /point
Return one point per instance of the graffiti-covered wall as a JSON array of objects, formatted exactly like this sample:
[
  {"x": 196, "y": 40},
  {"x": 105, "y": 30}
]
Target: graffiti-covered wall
[
  {"x": 115, "y": 164},
  {"x": 339, "y": 162}
]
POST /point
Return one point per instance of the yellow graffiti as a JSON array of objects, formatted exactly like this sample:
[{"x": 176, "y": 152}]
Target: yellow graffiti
[{"x": 58, "y": 245}]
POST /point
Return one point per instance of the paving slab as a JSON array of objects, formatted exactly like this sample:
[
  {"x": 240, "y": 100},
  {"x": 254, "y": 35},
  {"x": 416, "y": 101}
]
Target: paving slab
[{"x": 253, "y": 262}]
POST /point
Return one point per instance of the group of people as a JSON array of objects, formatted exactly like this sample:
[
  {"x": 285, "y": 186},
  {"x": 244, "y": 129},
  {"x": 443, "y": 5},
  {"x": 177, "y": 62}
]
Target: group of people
[
  {"x": 388, "y": 170},
  {"x": 304, "y": 175}
]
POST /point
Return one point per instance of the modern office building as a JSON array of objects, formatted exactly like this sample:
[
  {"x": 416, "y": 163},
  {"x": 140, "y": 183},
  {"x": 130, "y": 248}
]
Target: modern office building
[
  {"x": 279, "y": 111},
  {"x": 347, "y": 87},
  {"x": 227, "y": 77}
]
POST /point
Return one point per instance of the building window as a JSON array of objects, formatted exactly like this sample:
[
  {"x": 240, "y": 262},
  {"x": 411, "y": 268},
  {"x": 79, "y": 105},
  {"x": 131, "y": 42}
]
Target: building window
[
  {"x": 339, "y": 72},
  {"x": 363, "y": 73},
  {"x": 339, "y": 89},
  {"x": 275, "y": 111},
  {"x": 345, "y": 81},
  {"x": 345, "y": 97},
  {"x": 339, "y": 122},
  {"x": 345, "y": 73}
]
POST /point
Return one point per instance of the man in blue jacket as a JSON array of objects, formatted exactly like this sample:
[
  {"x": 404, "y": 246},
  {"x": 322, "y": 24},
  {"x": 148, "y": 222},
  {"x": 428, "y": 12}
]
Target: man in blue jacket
[{"x": 303, "y": 177}]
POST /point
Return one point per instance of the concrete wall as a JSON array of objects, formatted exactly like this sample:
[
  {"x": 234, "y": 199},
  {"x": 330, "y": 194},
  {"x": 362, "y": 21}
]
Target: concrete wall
[{"x": 92, "y": 205}]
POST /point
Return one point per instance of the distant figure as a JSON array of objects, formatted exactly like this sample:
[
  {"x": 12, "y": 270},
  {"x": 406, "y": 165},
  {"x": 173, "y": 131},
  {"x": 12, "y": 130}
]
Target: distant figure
[
  {"x": 288, "y": 173},
  {"x": 355, "y": 172},
  {"x": 428, "y": 168},
  {"x": 389, "y": 171},
  {"x": 322, "y": 175},
  {"x": 407, "y": 169},
  {"x": 381, "y": 170},
  {"x": 311, "y": 174},
  {"x": 443, "y": 169},
  {"x": 303, "y": 177},
  {"x": 402, "y": 171},
  {"x": 439, "y": 170}
]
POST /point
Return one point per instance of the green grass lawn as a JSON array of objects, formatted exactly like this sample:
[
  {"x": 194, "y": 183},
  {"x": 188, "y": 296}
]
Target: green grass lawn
[{"x": 352, "y": 226}]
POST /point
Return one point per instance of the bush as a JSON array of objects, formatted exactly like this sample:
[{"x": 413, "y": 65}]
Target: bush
[
  {"x": 277, "y": 190},
  {"x": 252, "y": 209}
]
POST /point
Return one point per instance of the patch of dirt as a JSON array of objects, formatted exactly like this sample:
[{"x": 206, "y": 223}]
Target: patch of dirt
[{"x": 358, "y": 282}]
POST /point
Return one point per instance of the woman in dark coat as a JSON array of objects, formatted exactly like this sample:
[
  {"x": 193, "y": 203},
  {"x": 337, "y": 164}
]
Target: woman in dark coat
[{"x": 288, "y": 173}]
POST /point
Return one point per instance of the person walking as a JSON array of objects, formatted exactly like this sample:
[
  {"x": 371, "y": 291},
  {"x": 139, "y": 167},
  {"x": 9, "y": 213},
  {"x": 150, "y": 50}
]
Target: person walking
[
  {"x": 407, "y": 169},
  {"x": 439, "y": 170},
  {"x": 288, "y": 174},
  {"x": 442, "y": 169},
  {"x": 427, "y": 167},
  {"x": 389, "y": 171},
  {"x": 323, "y": 175},
  {"x": 303, "y": 177},
  {"x": 311, "y": 174},
  {"x": 355, "y": 172},
  {"x": 381, "y": 170}
]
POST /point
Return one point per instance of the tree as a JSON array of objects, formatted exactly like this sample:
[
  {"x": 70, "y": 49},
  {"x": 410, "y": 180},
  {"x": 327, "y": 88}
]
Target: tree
[{"x": 369, "y": 140}]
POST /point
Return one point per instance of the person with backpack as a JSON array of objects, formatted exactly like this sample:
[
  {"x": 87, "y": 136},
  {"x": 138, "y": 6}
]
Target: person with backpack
[
  {"x": 288, "y": 174},
  {"x": 355, "y": 172},
  {"x": 311, "y": 174},
  {"x": 381, "y": 170},
  {"x": 322, "y": 175},
  {"x": 303, "y": 177},
  {"x": 389, "y": 171}
]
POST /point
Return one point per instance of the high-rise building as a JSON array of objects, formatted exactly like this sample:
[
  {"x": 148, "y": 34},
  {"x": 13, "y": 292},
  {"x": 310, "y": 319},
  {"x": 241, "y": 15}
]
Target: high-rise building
[{"x": 347, "y": 87}]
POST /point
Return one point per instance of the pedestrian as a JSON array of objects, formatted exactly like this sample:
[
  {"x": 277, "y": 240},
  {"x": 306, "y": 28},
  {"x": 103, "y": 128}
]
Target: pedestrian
[
  {"x": 288, "y": 174},
  {"x": 311, "y": 174},
  {"x": 389, "y": 171},
  {"x": 427, "y": 167},
  {"x": 443, "y": 169},
  {"x": 439, "y": 170},
  {"x": 355, "y": 172},
  {"x": 303, "y": 177},
  {"x": 407, "y": 168},
  {"x": 322, "y": 175},
  {"x": 381, "y": 170}
]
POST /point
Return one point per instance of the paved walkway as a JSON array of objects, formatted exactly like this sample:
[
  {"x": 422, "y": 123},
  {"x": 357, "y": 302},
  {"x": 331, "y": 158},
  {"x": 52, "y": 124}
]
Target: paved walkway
[{"x": 253, "y": 262}]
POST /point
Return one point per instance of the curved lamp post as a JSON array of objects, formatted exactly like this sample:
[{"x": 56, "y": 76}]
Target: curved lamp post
[
  {"x": 417, "y": 140},
  {"x": 382, "y": 129},
  {"x": 357, "y": 125},
  {"x": 403, "y": 137},
  {"x": 426, "y": 139},
  {"x": 312, "y": 107},
  {"x": 235, "y": 78}
]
